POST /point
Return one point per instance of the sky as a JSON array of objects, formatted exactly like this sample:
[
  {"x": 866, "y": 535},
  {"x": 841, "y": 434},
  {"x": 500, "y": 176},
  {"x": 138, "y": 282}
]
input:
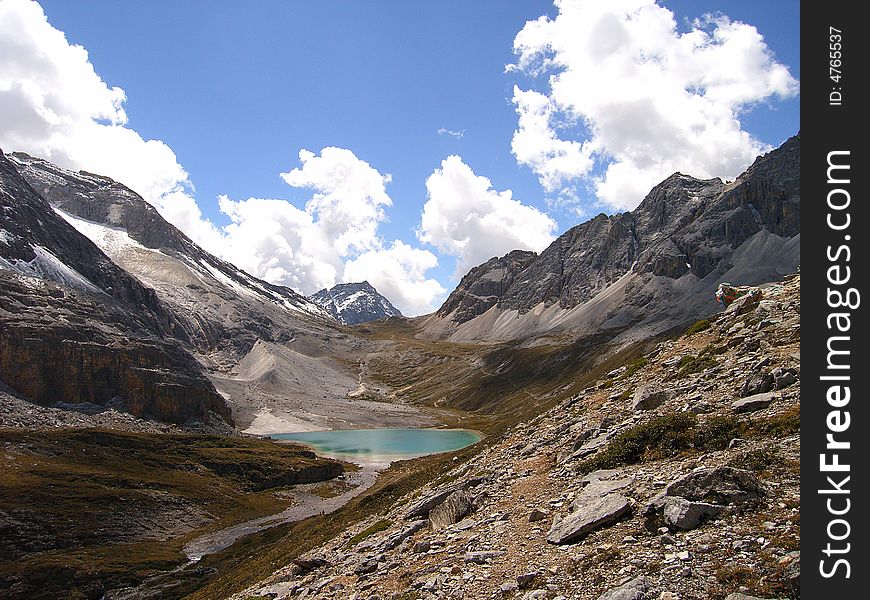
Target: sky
[{"x": 318, "y": 142}]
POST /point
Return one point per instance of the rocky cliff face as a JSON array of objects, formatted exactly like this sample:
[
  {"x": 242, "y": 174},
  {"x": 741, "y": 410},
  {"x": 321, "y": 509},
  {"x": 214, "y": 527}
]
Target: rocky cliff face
[
  {"x": 673, "y": 248},
  {"x": 218, "y": 306},
  {"x": 353, "y": 303},
  {"x": 75, "y": 328},
  {"x": 484, "y": 285}
]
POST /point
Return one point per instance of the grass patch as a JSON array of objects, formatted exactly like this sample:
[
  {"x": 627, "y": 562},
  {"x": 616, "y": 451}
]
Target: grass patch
[
  {"x": 694, "y": 364},
  {"x": 634, "y": 367},
  {"x": 97, "y": 498},
  {"x": 698, "y": 326},
  {"x": 783, "y": 424},
  {"x": 657, "y": 438},
  {"x": 369, "y": 531}
]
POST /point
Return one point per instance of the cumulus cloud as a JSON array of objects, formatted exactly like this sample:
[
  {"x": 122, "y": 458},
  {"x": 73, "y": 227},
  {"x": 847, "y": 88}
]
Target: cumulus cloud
[
  {"x": 54, "y": 105},
  {"x": 466, "y": 218},
  {"x": 399, "y": 273},
  {"x": 627, "y": 89},
  {"x": 333, "y": 239}
]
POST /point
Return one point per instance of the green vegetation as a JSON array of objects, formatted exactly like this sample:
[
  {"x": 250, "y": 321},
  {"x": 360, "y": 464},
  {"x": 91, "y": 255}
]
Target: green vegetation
[
  {"x": 634, "y": 367},
  {"x": 698, "y": 326},
  {"x": 673, "y": 433},
  {"x": 97, "y": 499},
  {"x": 694, "y": 364},
  {"x": 657, "y": 438},
  {"x": 376, "y": 527}
]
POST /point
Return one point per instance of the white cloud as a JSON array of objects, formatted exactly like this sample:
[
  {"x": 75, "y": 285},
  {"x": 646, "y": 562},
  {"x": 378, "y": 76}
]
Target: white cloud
[
  {"x": 334, "y": 239},
  {"x": 625, "y": 87},
  {"x": 458, "y": 134},
  {"x": 464, "y": 217},
  {"x": 55, "y": 106},
  {"x": 399, "y": 273}
]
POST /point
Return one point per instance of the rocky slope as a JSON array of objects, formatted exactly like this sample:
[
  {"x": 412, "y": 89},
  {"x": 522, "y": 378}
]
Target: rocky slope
[
  {"x": 76, "y": 328},
  {"x": 674, "y": 476},
  {"x": 354, "y": 303},
  {"x": 655, "y": 266}
]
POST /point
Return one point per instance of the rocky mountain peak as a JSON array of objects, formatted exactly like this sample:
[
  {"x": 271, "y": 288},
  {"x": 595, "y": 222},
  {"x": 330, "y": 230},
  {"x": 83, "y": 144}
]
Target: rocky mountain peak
[
  {"x": 674, "y": 247},
  {"x": 353, "y": 303}
]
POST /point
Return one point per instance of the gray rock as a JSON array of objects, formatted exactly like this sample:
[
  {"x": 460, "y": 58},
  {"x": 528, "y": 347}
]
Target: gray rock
[
  {"x": 757, "y": 383},
  {"x": 509, "y": 587},
  {"x": 421, "y": 508},
  {"x": 456, "y": 506},
  {"x": 538, "y": 515},
  {"x": 422, "y": 546},
  {"x": 753, "y": 403},
  {"x": 685, "y": 514},
  {"x": 639, "y": 588},
  {"x": 482, "y": 557},
  {"x": 648, "y": 397},
  {"x": 525, "y": 580},
  {"x": 588, "y": 516},
  {"x": 397, "y": 538},
  {"x": 719, "y": 485},
  {"x": 740, "y": 596}
]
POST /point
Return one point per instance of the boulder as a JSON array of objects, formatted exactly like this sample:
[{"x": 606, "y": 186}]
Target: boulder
[
  {"x": 588, "y": 516},
  {"x": 753, "y": 403},
  {"x": 757, "y": 383},
  {"x": 456, "y": 506},
  {"x": 537, "y": 515},
  {"x": 639, "y": 588},
  {"x": 685, "y": 514},
  {"x": 421, "y": 508},
  {"x": 648, "y": 397},
  {"x": 719, "y": 485}
]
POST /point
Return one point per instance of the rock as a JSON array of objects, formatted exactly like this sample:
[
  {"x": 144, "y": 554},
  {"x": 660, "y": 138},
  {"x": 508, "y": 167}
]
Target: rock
[
  {"x": 745, "y": 303},
  {"x": 456, "y": 506},
  {"x": 719, "y": 485},
  {"x": 526, "y": 579},
  {"x": 369, "y": 565},
  {"x": 306, "y": 564},
  {"x": 600, "y": 488},
  {"x": 538, "y": 515},
  {"x": 741, "y": 596},
  {"x": 782, "y": 377},
  {"x": 757, "y": 383},
  {"x": 588, "y": 516},
  {"x": 397, "y": 538},
  {"x": 421, "y": 546},
  {"x": 685, "y": 514},
  {"x": 753, "y": 403},
  {"x": 638, "y": 588},
  {"x": 648, "y": 397},
  {"x": 421, "y": 508},
  {"x": 509, "y": 587},
  {"x": 482, "y": 557}
]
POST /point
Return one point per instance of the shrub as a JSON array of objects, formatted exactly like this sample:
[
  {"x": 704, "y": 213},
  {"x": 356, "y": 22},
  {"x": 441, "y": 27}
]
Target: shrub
[
  {"x": 635, "y": 366},
  {"x": 698, "y": 326},
  {"x": 658, "y": 438},
  {"x": 379, "y": 526}
]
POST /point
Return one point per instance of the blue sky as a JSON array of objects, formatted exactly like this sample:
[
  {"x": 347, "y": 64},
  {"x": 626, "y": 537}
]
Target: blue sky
[{"x": 236, "y": 90}]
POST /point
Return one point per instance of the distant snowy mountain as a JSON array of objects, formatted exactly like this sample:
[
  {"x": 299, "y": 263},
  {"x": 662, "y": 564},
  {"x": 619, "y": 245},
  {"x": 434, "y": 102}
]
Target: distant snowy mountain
[{"x": 353, "y": 303}]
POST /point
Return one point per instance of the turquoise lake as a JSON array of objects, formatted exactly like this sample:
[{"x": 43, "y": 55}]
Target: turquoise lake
[{"x": 384, "y": 443}]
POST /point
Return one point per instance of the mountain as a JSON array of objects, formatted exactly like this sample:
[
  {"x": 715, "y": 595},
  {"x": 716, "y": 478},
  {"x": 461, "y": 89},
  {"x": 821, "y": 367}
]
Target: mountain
[
  {"x": 653, "y": 268},
  {"x": 279, "y": 360},
  {"x": 74, "y": 327},
  {"x": 353, "y": 303}
]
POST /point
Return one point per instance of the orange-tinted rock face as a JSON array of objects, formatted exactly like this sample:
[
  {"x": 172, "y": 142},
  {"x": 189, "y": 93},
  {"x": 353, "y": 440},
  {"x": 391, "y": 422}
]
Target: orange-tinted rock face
[{"x": 58, "y": 346}]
